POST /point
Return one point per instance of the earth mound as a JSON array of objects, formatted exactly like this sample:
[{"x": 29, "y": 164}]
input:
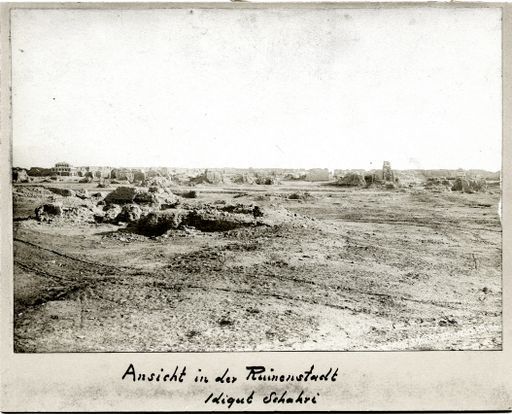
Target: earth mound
[
  {"x": 301, "y": 195},
  {"x": 65, "y": 192},
  {"x": 20, "y": 176},
  {"x": 211, "y": 218},
  {"x": 469, "y": 186},
  {"x": 132, "y": 195},
  {"x": 352, "y": 180}
]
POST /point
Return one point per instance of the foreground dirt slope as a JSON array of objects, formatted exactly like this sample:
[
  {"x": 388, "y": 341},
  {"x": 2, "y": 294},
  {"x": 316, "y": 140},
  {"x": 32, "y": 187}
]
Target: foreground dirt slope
[{"x": 359, "y": 270}]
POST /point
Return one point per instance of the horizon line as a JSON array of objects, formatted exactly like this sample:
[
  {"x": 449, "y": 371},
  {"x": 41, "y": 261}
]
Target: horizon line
[{"x": 263, "y": 168}]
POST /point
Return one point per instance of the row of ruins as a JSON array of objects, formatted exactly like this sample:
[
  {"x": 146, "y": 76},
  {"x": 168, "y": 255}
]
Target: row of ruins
[
  {"x": 439, "y": 180},
  {"x": 315, "y": 174}
]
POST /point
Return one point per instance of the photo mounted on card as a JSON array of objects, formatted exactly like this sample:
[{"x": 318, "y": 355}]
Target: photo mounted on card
[{"x": 249, "y": 206}]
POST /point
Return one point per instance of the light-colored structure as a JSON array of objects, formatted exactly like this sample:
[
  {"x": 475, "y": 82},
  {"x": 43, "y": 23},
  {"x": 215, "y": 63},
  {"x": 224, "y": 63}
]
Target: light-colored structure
[
  {"x": 95, "y": 172},
  {"x": 63, "y": 168},
  {"x": 318, "y": 174}
]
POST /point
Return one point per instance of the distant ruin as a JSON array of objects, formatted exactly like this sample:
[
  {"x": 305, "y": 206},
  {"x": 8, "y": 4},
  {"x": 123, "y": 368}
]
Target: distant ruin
[
  {"x": 434, "y": 180},
  {"x": 318, "y": 174},
  {"x": 62, "y": 169},
  {"x": 387, "y": 172}
]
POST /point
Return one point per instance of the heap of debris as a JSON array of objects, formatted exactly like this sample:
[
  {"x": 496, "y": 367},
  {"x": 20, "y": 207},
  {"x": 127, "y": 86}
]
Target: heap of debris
[
  {"x": 65, "y": 192},
  {"x": 48, "y": 211},
  {"x": 294, "y": 177},
  {"x": 438, "y": 184},
  {"x": 469, "y": 186},
  {"x": 301, "y": 196},
  {"x": 209, "y": 218},
  {"x": 20, "y": 175},
  {"x": 266, "y": 180},
  {"x": 57, "y": 211},
  {"x": 243, "y": 179},
  {"x": 351, "y": 180},
  {"x": 208, "y": 177},
  {"x": 154, "y": 196},
  {"x": 155, "y": 211},
  {"x": 158, "y": 181}
]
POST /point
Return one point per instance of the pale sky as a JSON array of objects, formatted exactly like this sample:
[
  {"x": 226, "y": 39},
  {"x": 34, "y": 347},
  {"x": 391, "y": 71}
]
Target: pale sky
[{"x": 326, "y": 88}]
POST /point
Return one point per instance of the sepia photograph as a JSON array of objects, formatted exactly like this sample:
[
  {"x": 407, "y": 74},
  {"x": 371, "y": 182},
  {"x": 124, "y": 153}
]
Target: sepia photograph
[{"x": 200, "y": 179}]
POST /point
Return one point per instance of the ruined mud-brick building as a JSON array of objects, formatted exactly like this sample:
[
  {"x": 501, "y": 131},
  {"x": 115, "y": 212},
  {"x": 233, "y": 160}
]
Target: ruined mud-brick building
[
  {"x": 208, "y": 177},
  {"x": 339, "y": 173},
  {"x": 158, "y": 172},
  {"x": 387, "y": 172},
  {"x": 384, "y": 175},
  {"x": 318, "y": 174},
  {"x": 63, "y": 169},
  {"x": 95, "y": 172},
  {"x": 122, "y": 174}
]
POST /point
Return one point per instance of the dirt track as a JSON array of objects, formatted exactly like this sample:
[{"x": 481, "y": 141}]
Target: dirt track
[{"x": 360, "y": 270}]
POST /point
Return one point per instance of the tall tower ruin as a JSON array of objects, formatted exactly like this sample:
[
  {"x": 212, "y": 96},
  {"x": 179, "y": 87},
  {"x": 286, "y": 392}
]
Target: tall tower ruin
[{"x": 387, "y": 172}]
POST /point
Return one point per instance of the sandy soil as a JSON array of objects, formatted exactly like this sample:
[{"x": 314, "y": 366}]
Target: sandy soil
[{"x": 354, "y": 270}]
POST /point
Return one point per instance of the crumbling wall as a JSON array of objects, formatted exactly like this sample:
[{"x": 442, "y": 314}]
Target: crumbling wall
[
  {"x": 387, "y": 172},
  {"x": 208, "y": 177},
  {"x": 243, "y": 179}
]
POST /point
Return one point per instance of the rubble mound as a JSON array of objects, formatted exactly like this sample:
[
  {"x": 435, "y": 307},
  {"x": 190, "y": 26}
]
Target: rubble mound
[
  {"x": 351, "y": 180},
  {"x": 158, "y": 223},
  {"x": 251, "y": 209},
  {"x": 469, "y": 186},
  {"x": 301, "y": 195},
  {"x": 213, "y": 218},
  {"x": 133, "y": 195},
  {"x": 31, "y": 192},
  {"x": 129, "y": 213},
  {"x": 139, "y": 176},
  {"x": 438, "y": 184},
  {"x": 82, "y": 194},
  {"x": 122, "y": 174},
  {"x": 189, "y": 194},
  {"x": 295, "y": 177},
  {"x": 110, "y": 212},
  {"x": 206, "y": 217},
  {"x": 265, "y": 198},
  {"x": 266, "y": 181},
  {"x": 57, "y": 212},
  {"x": 49, "y": 211},
  {"x": 208, "y": 177},
  {"x": 243, "y": 179},
  {"x": 80, "y": 214},
  {"x": 158, "y": 182},
  {"x": 20, "y": 176},
  {"x": 65, "y": 192}
]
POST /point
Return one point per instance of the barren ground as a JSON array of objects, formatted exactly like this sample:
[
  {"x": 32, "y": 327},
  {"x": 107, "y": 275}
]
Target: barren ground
[{"x": 363, "y": 270}]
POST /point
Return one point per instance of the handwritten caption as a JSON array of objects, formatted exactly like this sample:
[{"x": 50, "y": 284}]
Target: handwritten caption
[{"x": 255, "y": 374}]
